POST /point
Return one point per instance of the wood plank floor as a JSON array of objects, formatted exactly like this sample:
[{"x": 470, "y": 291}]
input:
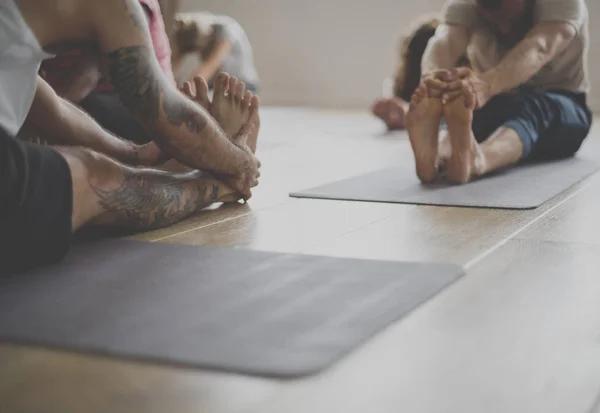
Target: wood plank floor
[{"x": 519, "y": 333}]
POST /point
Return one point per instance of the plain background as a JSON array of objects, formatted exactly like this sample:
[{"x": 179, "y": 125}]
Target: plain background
[{"x": 336, "y": 53}]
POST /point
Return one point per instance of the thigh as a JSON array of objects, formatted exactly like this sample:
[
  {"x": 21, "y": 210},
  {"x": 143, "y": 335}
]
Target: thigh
[
  {"x": 563, "y": 127},
  {"x": 495, "y": 114},
  {"x": 35, "y": 205},
  {"x": 113, "y": 116}
]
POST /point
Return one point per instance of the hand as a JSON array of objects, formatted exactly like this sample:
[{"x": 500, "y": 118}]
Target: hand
[
  {"x": 466, "y": 78},
  {"x": 437, "y": 81},
  {"x": 249, "y": 172},
  {"x": 150, "y": 155}
]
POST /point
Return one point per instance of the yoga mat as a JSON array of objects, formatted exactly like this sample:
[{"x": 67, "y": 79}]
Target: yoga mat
[
  {"x": 235, "y": 310},
  {"x": 523, "y": 187}
]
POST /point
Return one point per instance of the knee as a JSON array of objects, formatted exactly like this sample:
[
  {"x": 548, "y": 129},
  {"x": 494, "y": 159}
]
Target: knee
[
  {"x": 89, "y": 166},
  {"x": 90, "y": 172}
]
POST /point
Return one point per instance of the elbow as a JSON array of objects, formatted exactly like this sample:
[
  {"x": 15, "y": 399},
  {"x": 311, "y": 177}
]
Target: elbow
[{"x": 548, "y": 46}]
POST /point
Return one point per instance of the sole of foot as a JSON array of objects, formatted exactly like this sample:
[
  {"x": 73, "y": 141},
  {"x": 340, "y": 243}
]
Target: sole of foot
[
  {"x": 458, "y": 114},
  {"x": 423, "y": 124},
  {"x": 392, "y": 112},
  {"x": 233, "y": 107}
]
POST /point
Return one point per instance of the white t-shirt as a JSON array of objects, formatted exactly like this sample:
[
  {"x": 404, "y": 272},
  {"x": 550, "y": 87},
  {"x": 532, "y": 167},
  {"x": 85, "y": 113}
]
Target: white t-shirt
[
  {"x": 567, "y": 71},
  {"x": 20, "y": 58}
]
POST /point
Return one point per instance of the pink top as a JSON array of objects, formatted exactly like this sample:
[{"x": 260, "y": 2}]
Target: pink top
[{"x": 54, "y": 68}]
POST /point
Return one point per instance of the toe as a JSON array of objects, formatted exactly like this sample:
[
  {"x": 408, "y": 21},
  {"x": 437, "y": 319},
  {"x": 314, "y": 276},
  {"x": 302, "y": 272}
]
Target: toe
[
  {"x": 254, "y": 102},
  {"x": 233, "y": 81},
  {"x": 221, "y": 84},
  {"x": 247, "y": 99},
  {"x": 239, "y": 91},
  {"x": 202, "y": 91}
]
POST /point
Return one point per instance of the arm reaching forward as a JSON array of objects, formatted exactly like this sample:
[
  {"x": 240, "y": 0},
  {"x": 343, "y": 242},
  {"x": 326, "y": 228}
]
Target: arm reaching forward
[
  {"x": 445, "y": 48},
  {"x": 540, "y": 46},
  {"x": 59, "y": 122},
  {"x": 180, "y": 127}
]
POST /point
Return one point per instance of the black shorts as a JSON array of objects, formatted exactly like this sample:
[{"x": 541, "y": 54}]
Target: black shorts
[
  {"x": 36, "y": 204},
  {"x": 551, "y": 124},
  {"x": 112, "y": 115}
]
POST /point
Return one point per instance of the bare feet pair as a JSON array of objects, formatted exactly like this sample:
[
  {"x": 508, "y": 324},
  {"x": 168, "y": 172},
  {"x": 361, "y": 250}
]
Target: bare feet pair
[
  {"x": 234, "y": 108},
  {"x": 458, "y": 152},
  {"x": 392, "y": 111}
]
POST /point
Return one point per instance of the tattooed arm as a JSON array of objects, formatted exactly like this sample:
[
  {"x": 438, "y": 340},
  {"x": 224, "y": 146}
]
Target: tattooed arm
[
  {"x": 180, "y": 127},
  {"x": 59, "y": 122}
]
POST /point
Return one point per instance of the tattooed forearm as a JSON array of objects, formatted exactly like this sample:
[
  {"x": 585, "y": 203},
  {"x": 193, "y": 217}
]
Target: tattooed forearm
[
  {"x": 140, "y": 90},
  {"x": 147, "y": 199},
  {"x": 183, "y": 113},
  {"x": 182, "y": 129},
  {"x": 133, "y": 78}
]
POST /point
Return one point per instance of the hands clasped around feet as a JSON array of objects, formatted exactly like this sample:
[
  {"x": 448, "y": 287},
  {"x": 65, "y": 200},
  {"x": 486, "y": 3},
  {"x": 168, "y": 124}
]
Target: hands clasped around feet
[
  {"x": 452, "y": 95},
  {"x": 237, "y": 112}
]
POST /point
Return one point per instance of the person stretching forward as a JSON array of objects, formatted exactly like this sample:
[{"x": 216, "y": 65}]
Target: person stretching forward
[
  {"x": 94, "y": 178},
  {"x": 523, "y": 98}
]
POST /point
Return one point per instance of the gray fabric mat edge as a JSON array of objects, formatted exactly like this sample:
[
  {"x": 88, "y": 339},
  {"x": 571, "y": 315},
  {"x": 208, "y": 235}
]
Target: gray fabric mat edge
[
  {"x": 277, "y": 368},
  {"x": 400, "y": 185}
]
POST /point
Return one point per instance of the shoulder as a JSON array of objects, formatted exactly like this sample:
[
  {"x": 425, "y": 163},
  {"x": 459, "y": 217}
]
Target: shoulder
[
  {"x": 461, "y": 12},
  {"x": 574, "y": 12}
]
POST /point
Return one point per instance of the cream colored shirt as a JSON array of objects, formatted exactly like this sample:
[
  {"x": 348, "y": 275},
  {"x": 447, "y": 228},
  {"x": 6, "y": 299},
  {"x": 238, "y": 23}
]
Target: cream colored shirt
[{"x": 567, "y": 71}]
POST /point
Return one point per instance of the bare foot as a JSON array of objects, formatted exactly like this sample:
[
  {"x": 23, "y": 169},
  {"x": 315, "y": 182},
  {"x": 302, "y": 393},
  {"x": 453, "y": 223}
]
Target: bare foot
[
  {"x": 423, "y": 125},
  {"x": 392, "y": 112},
  {"x": 232, "y": 107},
  {"x": 466, "y": 159}
]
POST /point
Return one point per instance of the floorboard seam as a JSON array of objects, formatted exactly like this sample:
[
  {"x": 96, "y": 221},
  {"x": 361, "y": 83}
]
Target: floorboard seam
[{"x": 515, "y": 234}]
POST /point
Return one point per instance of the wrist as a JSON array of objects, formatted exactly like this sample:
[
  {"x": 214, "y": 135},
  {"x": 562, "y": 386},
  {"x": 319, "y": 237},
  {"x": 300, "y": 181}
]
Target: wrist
[{"x": 492, "y": 80}]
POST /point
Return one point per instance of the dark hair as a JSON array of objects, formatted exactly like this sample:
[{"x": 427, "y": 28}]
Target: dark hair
[
  {"x": 412, "y": 48},
  {"x": 186, "y": 36},
  {"x": 490, "y": 4}
]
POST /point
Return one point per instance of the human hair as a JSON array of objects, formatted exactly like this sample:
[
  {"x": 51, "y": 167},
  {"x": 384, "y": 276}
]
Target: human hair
[
  {"x": 191, "y": 31},
  {"x": 412, "y": 48}
]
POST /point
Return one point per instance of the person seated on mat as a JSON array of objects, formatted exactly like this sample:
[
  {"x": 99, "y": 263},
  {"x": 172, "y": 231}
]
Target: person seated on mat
[
  {"x": 523, "y": 99},
  {"x": 86, "y": 176},
  {"x": 392, "y": 111},
  {"x": 76, "y": 76},
  {"x": 212, "y": 44}
]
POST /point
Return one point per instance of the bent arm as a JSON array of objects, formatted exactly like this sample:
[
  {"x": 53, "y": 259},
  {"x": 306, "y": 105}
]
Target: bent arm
[
  {"x": 59, "y": 122},
  {"x": 180, "y": 127},
  {"x": 209, "y": 67},
  {"x": 528, "y": 57},
  {"x": 445, "y": 48}
]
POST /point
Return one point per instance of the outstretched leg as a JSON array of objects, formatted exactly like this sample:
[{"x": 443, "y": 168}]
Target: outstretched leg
[
  {"x": 423, "y": 125},
  {"x": 468, "y": 158},
  {"x": 108, "y": 193}
]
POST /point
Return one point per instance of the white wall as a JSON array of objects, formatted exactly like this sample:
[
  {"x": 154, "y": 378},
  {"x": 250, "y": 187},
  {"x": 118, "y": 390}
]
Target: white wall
[{"x": 335, "y": 53}]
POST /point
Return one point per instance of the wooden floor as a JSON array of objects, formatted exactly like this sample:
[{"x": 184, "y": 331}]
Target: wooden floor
[{"x": 519, "y": 333}]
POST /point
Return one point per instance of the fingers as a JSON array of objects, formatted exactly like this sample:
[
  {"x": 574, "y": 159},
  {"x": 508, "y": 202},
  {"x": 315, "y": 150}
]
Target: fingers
[
  {"x": 451, "y": 96},
  {"x": 461, "y": 72},
  {"x": 435, "y": 84}
]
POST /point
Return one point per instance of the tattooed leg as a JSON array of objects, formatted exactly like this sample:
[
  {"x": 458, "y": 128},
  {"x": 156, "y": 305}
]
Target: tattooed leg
[{"x": 108, "y": 193}]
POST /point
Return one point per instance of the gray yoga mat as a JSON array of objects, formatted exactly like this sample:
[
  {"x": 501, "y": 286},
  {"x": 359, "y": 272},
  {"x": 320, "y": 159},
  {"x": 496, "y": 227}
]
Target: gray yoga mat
[
  {"x": 523, "y": 187},
  {"x": 235, "y": 310}
]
